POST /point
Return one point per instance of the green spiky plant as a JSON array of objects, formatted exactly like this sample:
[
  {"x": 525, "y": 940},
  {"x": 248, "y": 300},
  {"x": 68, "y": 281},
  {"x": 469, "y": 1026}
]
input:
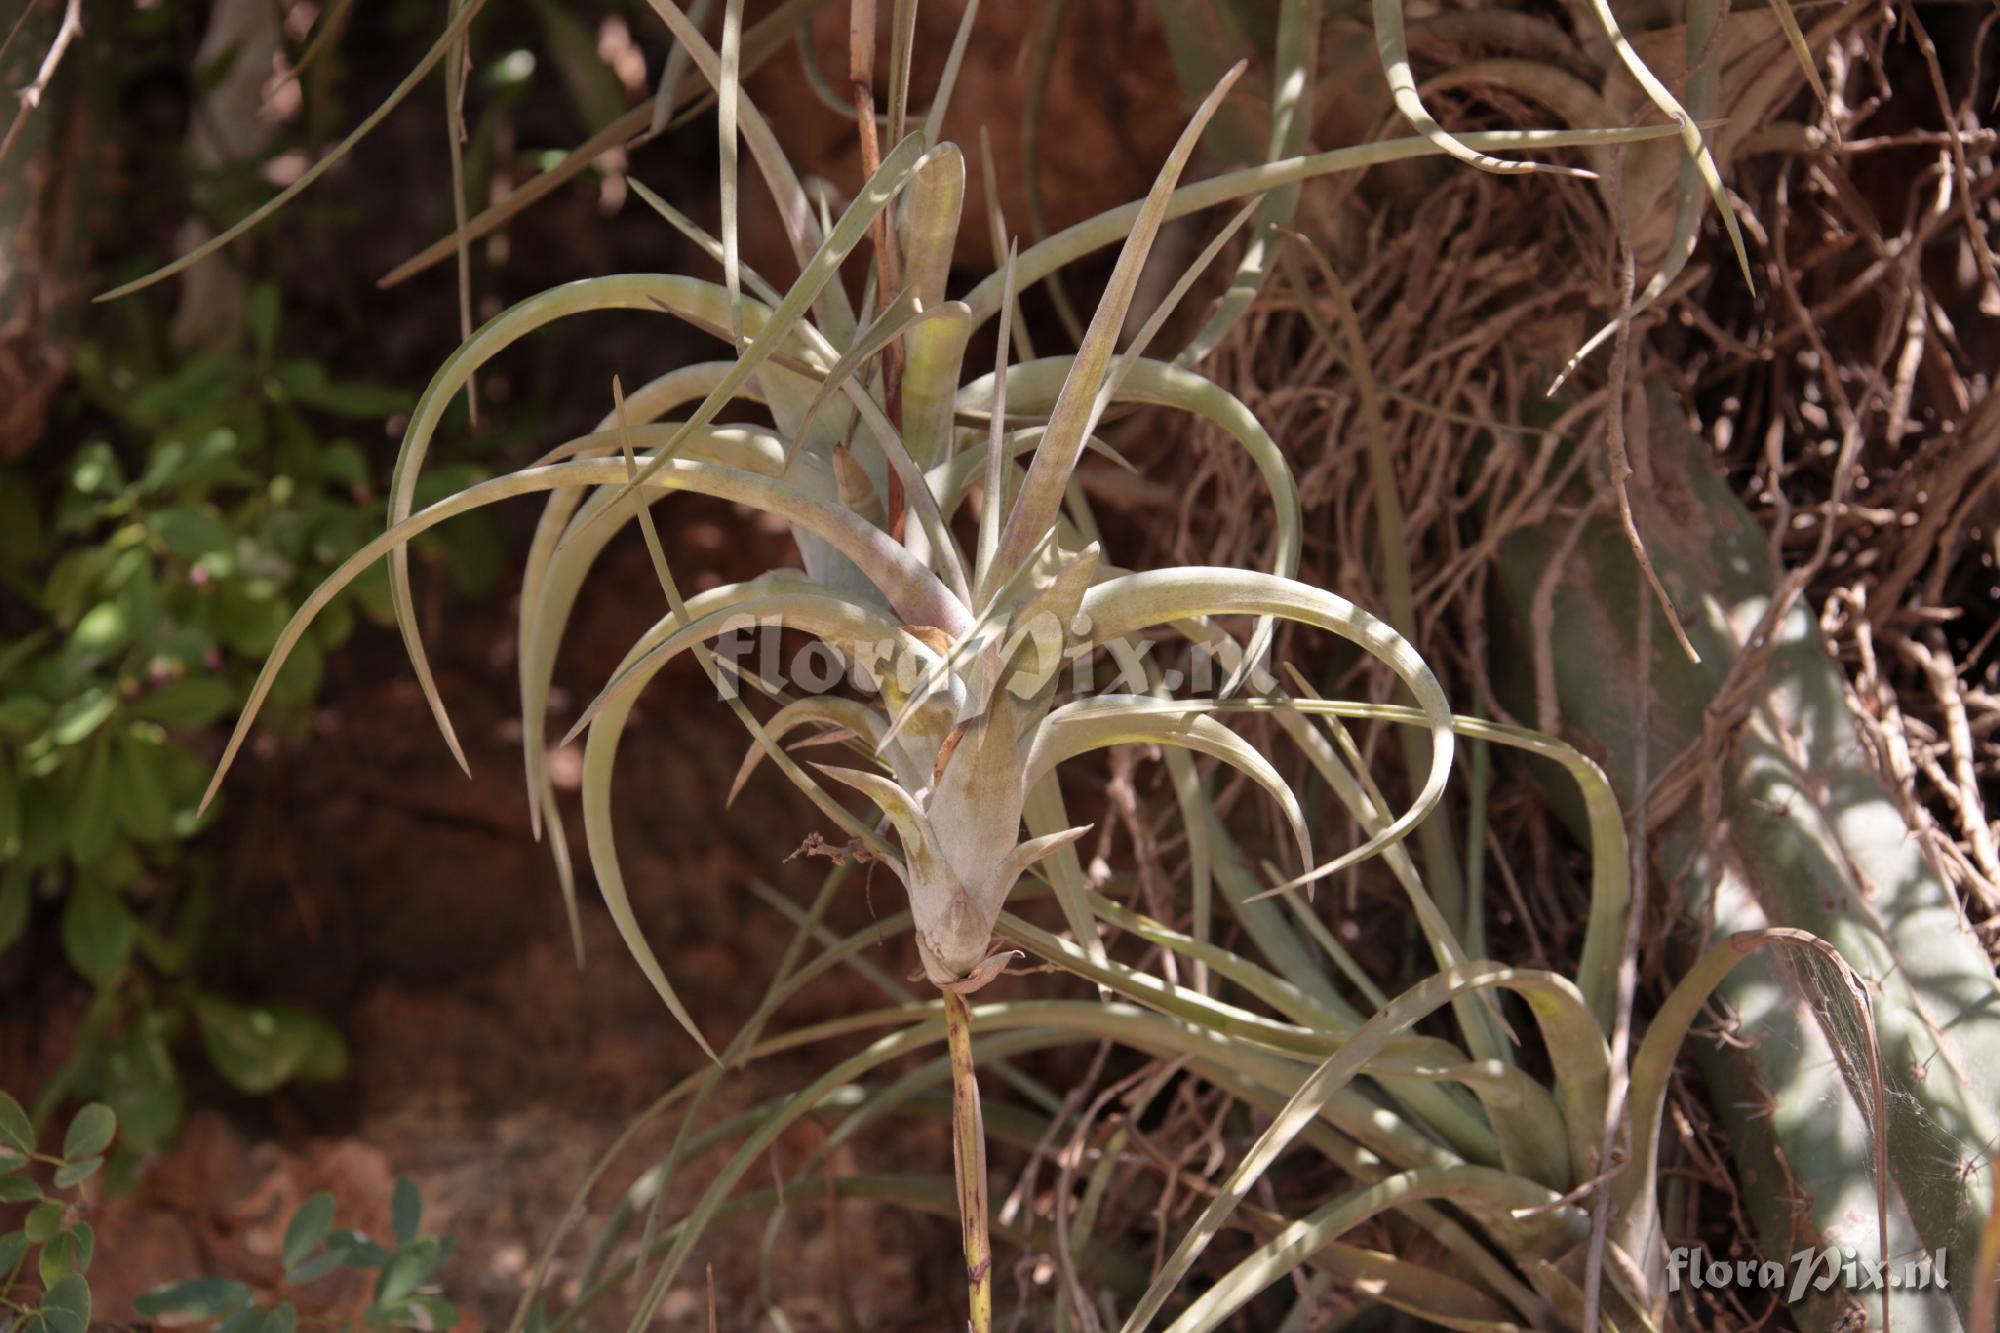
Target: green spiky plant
[{"x": 969, "y": 587}]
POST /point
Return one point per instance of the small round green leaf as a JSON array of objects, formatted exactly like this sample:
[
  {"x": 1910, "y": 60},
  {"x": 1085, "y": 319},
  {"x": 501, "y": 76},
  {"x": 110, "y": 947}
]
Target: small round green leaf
[
  {"x": 406, "y": 1210},
  {"x": 138, "y": 790},
  {"x": 356, "y": 1250},
  {"x": 18, "y": 1189},
  {"x": 315, "y": 1268},
  {"x": 191, "y": 532},
  {"x": 259, "y": 1047},
  {"x": 191, "y": 701},
  {"x": 81, "y": 715},
  {"x": 192, "y": 1300},
  {"x": 249, "y": 1319},
  {"x": 90, "y": 1131},
  {"x": 103, "y": 629},
  {"x": 65, "y": 1307},
  {"x": 58, "y": 1259},
  {"x": 430, "y": 1314},
  {"x": 142, "y": 1085},
  {"x": 17, "y": 1132},
  {"x": 400, "y": 1279},
  {"x": 97, "y": 931},
  {"x": 92, "y": 824},
  {"x": 44, "y": 1220},
  {"x": 71, "y": 1174},
  {"x": 307, "y": 1228}
]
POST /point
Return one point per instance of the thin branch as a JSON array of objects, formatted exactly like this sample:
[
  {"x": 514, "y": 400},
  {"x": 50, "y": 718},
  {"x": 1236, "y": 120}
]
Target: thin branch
[{"x": 31, "y": 96}]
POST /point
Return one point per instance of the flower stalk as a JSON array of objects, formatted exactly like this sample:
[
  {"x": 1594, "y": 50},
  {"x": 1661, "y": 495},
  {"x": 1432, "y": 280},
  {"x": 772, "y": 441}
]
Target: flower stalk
[{"x": 968, "y": 1156}]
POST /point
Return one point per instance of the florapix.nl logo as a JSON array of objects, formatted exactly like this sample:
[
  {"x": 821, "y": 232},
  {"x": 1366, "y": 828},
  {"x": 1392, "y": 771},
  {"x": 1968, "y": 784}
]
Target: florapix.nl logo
[
  {"x": 1037, "y": 649},
  {"x": 1808, "y": 1270}
]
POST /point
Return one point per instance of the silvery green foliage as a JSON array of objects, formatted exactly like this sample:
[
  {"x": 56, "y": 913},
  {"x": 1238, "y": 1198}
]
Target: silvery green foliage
[
  {"x": 968, "y": 660},
  {"x": 962, "y": 751}
]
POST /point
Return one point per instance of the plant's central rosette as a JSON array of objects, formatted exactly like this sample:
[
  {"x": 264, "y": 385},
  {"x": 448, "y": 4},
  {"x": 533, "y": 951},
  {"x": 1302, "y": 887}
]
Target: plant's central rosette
[
  {"x": 960, "y": 828},
  {"x": 961, "y": 730}
]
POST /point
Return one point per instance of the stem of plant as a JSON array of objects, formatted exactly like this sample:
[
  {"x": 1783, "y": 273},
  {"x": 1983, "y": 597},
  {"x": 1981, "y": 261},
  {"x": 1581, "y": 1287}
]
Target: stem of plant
[{"x": 968, "y": 1152}]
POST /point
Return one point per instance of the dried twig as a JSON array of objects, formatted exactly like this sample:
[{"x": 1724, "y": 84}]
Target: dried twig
[{"x": 31, "y": 96}]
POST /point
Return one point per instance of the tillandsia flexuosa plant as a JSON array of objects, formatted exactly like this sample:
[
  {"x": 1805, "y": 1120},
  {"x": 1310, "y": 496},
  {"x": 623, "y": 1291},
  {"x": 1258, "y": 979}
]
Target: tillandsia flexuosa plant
[{"x": 948, "y": 555}]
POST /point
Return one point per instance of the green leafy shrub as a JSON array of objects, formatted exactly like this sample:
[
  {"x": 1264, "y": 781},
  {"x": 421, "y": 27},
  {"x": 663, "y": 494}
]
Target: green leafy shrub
[
  {"x": 403, "y": 1295},
  {"x": 62, "y": 1245},
  {"x": 146, "y": 574},
  {"x": 51, "y": 1229}
]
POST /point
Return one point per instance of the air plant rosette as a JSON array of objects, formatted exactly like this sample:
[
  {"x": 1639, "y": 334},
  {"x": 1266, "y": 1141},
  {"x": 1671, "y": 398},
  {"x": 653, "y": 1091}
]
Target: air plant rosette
[{"x": 950, "y": 559}]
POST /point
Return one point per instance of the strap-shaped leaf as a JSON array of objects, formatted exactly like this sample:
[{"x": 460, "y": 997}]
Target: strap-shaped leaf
[
  {"x": 1213, "y": 1015},
  {"x": 762, "y": 40},
  {"x": 846, "y": 624},
  {"x": 1478, "y": 1190},
  {"x": 934, "y": 359},
  {"x": 896, "y": 315},
  {"x": 838, "y": 715},
  {"x": 1142, "y": 341},
  {"x": 1035, "y": 850},
  {"x": 1363, "y": 800},
  {"x": 928, "y": 228},
  {"x": 1394, "y": 49},
  {"x": 600, "y": 754},
  {"x": 1837, "y": 987},
  {"x": 1610, "y": 861},
  {"x": 1112, "y": 225},
  {"x": 685, "y": 296},
  {"x": 708, "y": 613},
  {"x": 920, "y": 852},
  {"x": 993, "y": 495},
  {"x": 1125, "y": 605},
  {"x": 1686, "y": 125},
  {"x": 848, "y": 534},
  {"x": 1033, "y": 387},
  {"x": 954, "y": 481},
  {"x": 728, "y": 99},
  {"x": 553, "y": 578},
  {"x": 794, "y": 206},
  {"x": 545, "y": 605},
  {"x": 1076, "y": 407},
  {"x": 1576, "y": 1048},
  {"x": 1294, "y": 84},
  {"x": 883, "y": 186},
  {"x": 918, "y": 1028},
  {"x": 937, "y": 548},
  {"x": 1045, "y": 813},
  {"x": 706, "y": 243},
  {"x": 1134, "y": 719},
  {"x": 542, "y": 618},
  {"x": 948, "y": 79},
  {"x": 454, "y": 31}
]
